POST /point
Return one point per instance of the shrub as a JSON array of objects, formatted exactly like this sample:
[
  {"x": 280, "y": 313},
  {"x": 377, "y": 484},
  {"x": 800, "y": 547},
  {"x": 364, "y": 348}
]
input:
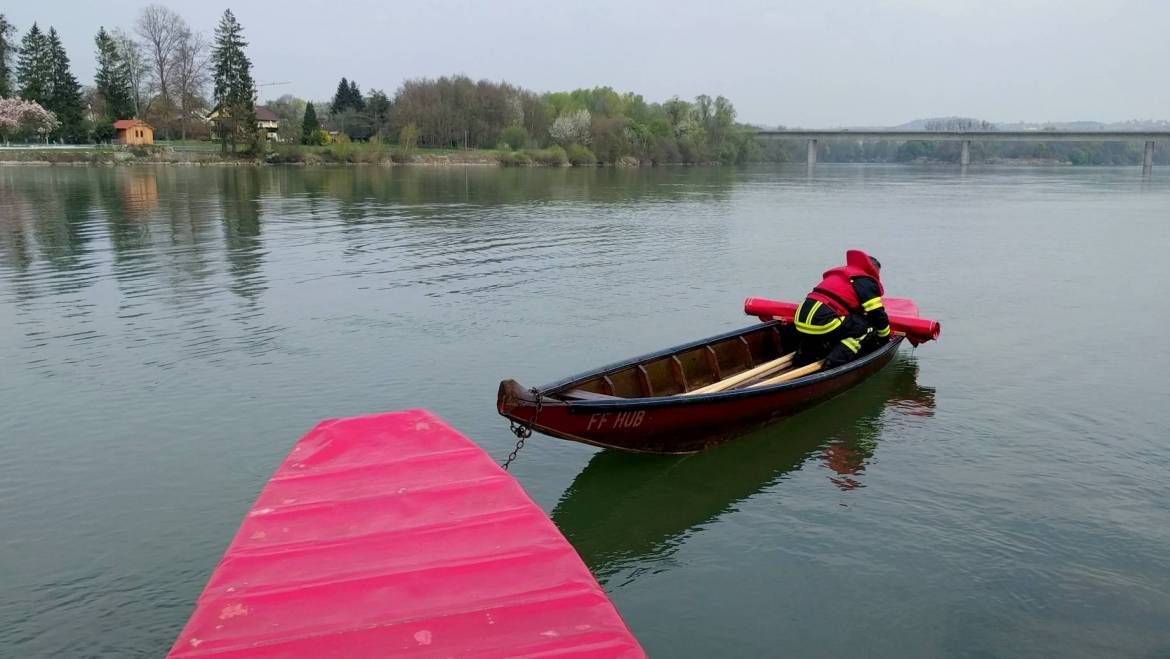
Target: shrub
[
  {"x": 286, "y": 154},
  {"x": 554, "y": 156},
  {"x": 103, "y": 131},
  {"x": 665, "y": 151},
  {"x": 513, "y": 158},
  {"x": 317, "y": 137},
  {"x": 515, "y": 137},
  {"x": 407, "y": 141},
  {"x": 580, "y": 156},
  {"x": 609, "y": 139}
]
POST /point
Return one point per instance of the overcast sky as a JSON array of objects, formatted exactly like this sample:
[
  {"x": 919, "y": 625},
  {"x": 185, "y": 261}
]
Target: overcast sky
[{"x": 815, "y": 63}]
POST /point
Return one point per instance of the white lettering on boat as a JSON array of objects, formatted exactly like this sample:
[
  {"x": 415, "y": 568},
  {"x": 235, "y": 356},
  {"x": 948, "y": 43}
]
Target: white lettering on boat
[
  {"x": 599, "y": 419},
  {"x": 621, "y": 421}
]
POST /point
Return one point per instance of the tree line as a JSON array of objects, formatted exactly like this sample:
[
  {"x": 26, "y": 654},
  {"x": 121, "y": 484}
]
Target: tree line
[
  {"x": 584, "y": 125},
  {"x": 160, "y": 73}
]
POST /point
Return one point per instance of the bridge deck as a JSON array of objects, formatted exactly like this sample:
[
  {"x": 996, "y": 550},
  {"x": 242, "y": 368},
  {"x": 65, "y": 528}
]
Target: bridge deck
[{"x": 974, "y": 136}]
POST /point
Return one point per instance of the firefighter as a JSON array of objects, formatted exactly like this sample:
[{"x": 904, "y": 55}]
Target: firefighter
[{"x": 843, "y": 317}]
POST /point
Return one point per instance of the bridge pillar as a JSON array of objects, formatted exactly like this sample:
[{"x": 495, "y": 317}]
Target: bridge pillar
[
  {"x": 965, "y": 154},
  {"x": 1148, "y": 160},
  {"x": 812, "y": 152}
]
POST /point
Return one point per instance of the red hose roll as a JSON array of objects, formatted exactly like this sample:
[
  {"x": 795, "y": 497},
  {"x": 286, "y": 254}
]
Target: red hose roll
[{"x": 903, "y": 316}]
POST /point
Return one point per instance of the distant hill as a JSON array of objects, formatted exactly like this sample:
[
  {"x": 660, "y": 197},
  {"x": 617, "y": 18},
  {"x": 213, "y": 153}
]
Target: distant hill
[
  {"x": 1132, "y": 124},
  {"x": 920, "y": 124},
  {"x": 957, "y": 122}
]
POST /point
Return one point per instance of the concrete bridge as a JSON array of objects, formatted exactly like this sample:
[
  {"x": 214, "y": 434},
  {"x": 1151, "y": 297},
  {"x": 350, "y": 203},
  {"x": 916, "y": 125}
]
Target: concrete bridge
[{"x": 966, "y": 137}]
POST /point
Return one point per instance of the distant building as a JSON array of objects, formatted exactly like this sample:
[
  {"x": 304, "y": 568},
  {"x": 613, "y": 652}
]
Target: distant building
[
  {"x": 266, "y": 121},
  {"x": 133, "y": 131}
]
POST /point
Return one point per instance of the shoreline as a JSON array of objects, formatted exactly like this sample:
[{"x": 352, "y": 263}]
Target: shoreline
[
  {"x": 66, "y": 157},
  {"x": 438, "y": 164}
]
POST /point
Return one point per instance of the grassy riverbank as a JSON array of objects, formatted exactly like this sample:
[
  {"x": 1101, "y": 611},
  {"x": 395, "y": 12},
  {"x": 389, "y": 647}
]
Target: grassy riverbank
[
  {"x": 333, "y": 154},
  {"x": 373, "y": 153}
]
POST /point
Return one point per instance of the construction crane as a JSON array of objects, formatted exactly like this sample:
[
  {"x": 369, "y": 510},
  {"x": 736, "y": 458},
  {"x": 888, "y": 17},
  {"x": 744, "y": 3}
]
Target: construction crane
[{"x": 256, "y": 91}]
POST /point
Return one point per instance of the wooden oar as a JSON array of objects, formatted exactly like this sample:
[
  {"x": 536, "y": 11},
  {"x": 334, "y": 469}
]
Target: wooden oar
[
  {"x": 791, "y": 375},
  {"x": 728, "y": 383}
]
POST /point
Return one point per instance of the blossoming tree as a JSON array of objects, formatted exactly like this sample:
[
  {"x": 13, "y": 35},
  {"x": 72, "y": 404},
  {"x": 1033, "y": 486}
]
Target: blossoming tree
[{"x": 21, "y": 117}]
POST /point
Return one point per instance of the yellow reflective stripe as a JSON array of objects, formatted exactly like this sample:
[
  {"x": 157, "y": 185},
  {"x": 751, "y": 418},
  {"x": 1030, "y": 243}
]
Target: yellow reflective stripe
[
  {"x": 870, "y": 305},
  {"x": 885, "y": 331},
  {"x": 806, "y": 328},
  {"x": 852, "y": 344},
  {"x": 808, "y": 317}
]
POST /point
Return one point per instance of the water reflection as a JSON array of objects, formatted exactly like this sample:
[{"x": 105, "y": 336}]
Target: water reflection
[{"x": 624, "y": 509}]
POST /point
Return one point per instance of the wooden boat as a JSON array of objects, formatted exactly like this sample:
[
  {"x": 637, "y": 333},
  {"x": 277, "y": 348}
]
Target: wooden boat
[{"x": 668, "y": 402}]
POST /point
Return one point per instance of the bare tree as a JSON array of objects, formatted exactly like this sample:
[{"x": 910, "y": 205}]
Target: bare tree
[
  {"x": 190, "y": 75},
  {"x": 161, "y": 30},
  {"x": 136, "y": 67}
]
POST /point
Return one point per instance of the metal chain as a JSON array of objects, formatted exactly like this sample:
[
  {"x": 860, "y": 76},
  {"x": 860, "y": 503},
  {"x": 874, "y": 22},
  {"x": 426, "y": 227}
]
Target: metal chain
[{"x": 523, "y": 430}]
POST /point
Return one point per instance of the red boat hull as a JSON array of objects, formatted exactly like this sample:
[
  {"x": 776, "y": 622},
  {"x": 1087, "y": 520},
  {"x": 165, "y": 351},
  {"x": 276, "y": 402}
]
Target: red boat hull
[{"x": 680, "y": 424}]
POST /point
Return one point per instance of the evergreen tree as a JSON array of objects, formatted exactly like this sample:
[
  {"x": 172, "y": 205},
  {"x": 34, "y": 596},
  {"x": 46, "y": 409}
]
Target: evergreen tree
[
  {"x": 7, "y": 31},
  {"x": 355, "y": 97},
  {"x": 113, "y": 78},
  {"x": 309, "y": 124},
  {"x": 235, "y": 91},
  {"x": 65, "y": 93},
  {"x": 33, "y": 68},
  {"x": 341, "y": 97}
]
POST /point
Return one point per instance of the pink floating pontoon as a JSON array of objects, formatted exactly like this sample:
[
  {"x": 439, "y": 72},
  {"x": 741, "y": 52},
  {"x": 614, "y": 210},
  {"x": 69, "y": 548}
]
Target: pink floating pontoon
[{"x": 393, "y": 535}]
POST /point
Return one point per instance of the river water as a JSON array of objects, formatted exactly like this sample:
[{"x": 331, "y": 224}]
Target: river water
[{"x": 166, "y": 335}]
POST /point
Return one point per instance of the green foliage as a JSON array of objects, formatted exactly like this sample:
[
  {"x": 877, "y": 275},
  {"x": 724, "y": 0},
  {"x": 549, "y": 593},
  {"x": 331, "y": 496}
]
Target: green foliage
[
  {"x": 355, "y": 97},
  {"x": 355, "y": 124},
  {"x": 318, "y": 137},
  {"x": 103, "y": 131},
  {"x": 7, "y": 50},
  {"x": 407, "y": 141},
  {"x": 609, "y": 138},
  {"x": 513, "y": 158},
  {"x": 515, "y": 137},
  {"x": 618, "y": 128},
  {"x": 65, "y": 98},
  {"x": 553, "y": 156},
  {"x": 44, "y": 77},
  {"x": 459, "y": 112},
  {"x": 287, "y": 154},
  {"x": 310, "y": 126},
  {"x": 34, "y": 68},
  {"x": 112, "y": 79},
  {"x": 234, "y": 87},
  {"x": 580, "y": 156},
  {"x": 340, "y": 97},
  {"x": 290, "y": 110},
  {"x": 347, "y": 97},
  {"x": 377, "y": 108}
]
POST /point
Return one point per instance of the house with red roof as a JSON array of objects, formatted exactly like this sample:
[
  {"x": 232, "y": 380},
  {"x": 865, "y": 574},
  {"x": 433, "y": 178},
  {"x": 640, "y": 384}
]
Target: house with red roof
[{"x": 133, "y": 131}]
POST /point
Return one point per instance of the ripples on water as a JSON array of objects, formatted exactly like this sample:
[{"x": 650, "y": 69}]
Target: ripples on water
[{"x": 167, "y": 333}]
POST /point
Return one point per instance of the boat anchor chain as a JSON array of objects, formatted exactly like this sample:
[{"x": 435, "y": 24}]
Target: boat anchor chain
[{"x": 523, "y": 430}]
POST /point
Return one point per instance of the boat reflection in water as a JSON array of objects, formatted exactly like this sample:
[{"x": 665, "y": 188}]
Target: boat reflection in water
[{"x": 626, "y": 507}]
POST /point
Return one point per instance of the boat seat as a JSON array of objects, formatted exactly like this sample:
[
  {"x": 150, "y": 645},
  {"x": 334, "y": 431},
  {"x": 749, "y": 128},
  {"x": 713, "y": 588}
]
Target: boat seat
[{"x": 581, "y": 394}]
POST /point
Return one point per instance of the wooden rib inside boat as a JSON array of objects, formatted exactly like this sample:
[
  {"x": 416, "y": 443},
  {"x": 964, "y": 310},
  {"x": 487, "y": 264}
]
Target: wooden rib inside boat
[{"x": 689, "y": 369}]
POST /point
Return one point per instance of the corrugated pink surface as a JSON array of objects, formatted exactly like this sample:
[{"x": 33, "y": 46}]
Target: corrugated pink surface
[{"x": 392, "y": 535}]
